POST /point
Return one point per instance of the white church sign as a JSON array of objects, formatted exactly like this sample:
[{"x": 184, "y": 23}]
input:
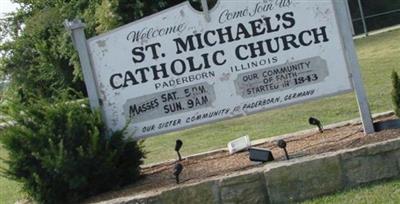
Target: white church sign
[{"x": 175, "y": 69}]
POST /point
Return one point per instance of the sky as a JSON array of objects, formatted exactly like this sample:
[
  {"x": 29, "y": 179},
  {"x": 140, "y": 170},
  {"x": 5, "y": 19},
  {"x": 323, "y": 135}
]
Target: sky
[{"x": 5, "y": 7}]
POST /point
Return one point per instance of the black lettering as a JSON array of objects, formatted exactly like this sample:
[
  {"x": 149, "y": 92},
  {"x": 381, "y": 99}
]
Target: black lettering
[
  {"x": 237, "y": 52},
  {"x": 163, "y": 70},
  {"x": 302, "y": 38},
  {"x": 289, "y": 20},
  {"x": 142, "y": 73},
  {"x": 270, "y": 29},
  {"x": 112, "y": 82},
  {"x": 206, "y": 62},
  {"x": 207, "y": 40},
  {"x": 174, "y": 67},
  {"x": 289, "y": 39},
  {"x": 138, "y": 52},
  {"x": 192, "y": 66},
  {"x": 256, "y": 27},
  {"x": 320, "y": 34},
  {"x": 241, "y": 30},
  {"x": 153, "y": 48},
  {"x": 199, "y": 42},
  {"x": 129, "y": 77},
  {"x": 184, "y": 46},
  {"x": 215, "y": 58},
  {"x": 270, "y": 47},
  {"x": 225, "y": 32},
  {"x": 254, "y": 48}
]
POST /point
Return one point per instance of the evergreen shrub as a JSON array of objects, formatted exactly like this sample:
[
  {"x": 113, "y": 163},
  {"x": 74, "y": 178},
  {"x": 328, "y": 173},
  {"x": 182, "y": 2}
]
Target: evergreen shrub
[{"x": 61, "y": 154}]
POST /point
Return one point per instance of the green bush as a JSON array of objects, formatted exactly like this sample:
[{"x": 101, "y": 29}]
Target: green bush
[
  {"x": 396, "y": 93},
  {"x": 60, "y": 153}
]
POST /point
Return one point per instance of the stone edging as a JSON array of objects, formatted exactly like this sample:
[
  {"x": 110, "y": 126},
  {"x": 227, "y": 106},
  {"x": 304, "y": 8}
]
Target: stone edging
[{"x": 287, "y": 181}]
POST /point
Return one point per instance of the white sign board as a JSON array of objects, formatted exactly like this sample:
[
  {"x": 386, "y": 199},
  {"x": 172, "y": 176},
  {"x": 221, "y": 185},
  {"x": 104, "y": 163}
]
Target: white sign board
[{"x": 174, "y": 70}]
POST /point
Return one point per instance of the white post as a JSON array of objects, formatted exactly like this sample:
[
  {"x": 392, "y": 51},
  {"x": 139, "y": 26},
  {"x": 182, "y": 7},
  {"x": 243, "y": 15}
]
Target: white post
[
  {"x": 351, "y": 55},
  {"x": 76, "y": 28},
  {"x": 206, "y": 13}
]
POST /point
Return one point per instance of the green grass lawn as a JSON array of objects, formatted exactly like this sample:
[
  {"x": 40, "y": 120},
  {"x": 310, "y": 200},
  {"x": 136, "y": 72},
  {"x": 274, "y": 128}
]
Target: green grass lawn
[
  {"x": 379, "y": 55},
  {"x": 9, "y": 190},
  {"x": 387, "y": 193}
]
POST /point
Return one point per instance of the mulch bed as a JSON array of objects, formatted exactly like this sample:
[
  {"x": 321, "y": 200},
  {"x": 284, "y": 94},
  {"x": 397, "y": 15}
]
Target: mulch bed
[{"x": 198, "y": 168}]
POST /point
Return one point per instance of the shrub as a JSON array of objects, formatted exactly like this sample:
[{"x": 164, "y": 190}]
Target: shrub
[
  {"x": 60, "y": 153},
  {"x": 396, "y": 93}
]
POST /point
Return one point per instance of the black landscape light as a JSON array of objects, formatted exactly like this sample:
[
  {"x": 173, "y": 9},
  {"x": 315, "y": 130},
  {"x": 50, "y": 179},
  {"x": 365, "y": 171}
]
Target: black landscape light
[
  {"x": 177, "y": 170},
  {"x": 282, "y": 144},
  {"x": 260, "y": 155},
  {"x": 178, "y": 146},
  {"x": 314, "y": 121}
]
